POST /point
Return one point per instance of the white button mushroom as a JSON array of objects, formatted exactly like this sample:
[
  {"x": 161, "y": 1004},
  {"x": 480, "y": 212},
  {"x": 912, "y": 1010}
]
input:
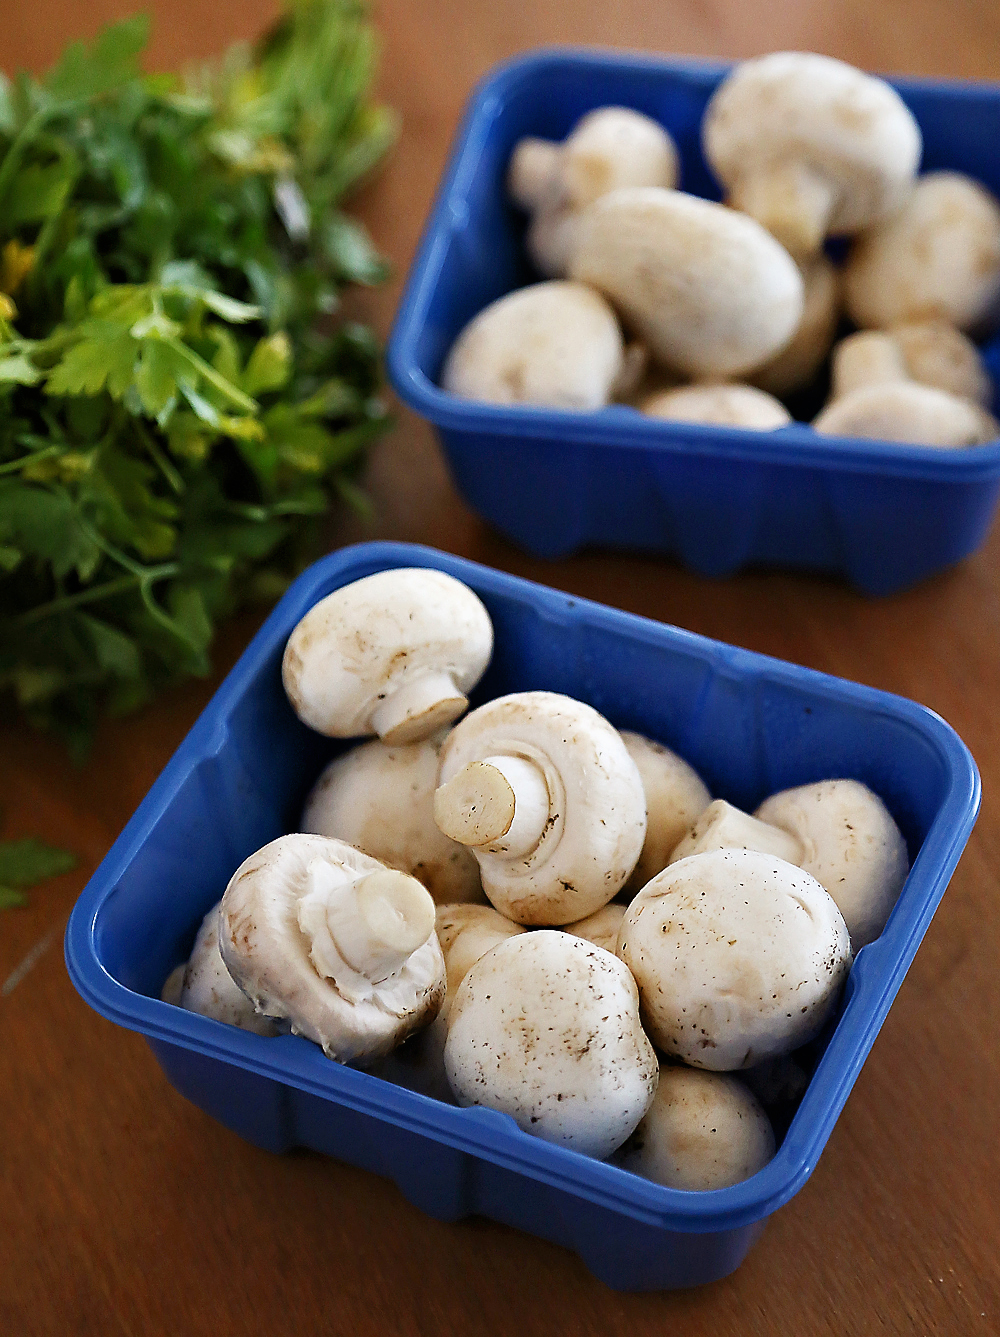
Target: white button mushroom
[
  {"x": 906, "y": 411},
  {"x": 600, "y": 928},
  {"x": 723, "y": 827},
  {"x": 546, "y": 1028},
  {"x": 738, "y": 956},
  {"x": 873, "y": 393},
  {"x": 380, "y": 799},
  {"x": 608, "y": 149},
  {"x": 936, "y": 353},
  {"x": 729, "y": 405},
  {"x": 553, "y": 344},
  {"x": 209, "y": 989},
  {"x": 810, "y": 146},
  {"x": 543, "y": 790},
  {"x": 707, "y": 289},
  {"x": 938, "y": 257},
  {"x": 676, "y": 796},
  {"x": 704, "y": 1130},
  {"x": 391, "y": 654},
  {"x": 850, "y": 844},
  {"x": 343, "y": 947},
  {"x": 931, "y": 352}
]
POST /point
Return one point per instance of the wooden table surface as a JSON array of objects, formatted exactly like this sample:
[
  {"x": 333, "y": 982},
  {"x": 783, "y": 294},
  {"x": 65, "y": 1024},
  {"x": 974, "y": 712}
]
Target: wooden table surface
[{"x": 125, "y": 1210}]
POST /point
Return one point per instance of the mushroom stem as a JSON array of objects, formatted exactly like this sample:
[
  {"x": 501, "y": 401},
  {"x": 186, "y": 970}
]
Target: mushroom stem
[
  {"x": 417, "y": 707},
  {"x": 499, "y": 799},
  {"x": 373, "y": 924},
  {"x": 792, "y": 201},
  {"x": 723, "y": 827},
  {"x": 870, "y": 357}
]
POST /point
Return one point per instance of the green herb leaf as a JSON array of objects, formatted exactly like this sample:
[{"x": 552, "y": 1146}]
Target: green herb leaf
[{"x": 23, "y": 863}]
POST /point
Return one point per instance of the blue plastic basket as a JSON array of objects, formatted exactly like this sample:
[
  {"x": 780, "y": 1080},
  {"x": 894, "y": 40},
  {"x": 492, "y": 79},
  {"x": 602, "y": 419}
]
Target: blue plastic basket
[
  {"x": 749, "y": 724},
  {"x": 881, "y": 514}
]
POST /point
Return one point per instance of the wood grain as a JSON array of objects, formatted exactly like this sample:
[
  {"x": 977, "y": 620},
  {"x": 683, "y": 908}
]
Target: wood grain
[{"x": 124, "y": 1210}]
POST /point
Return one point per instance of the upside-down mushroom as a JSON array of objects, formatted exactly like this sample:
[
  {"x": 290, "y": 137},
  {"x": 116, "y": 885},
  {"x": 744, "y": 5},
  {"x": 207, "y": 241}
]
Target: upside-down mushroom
[
  {"x": 340, "y": 946},
  {"x": 543, "y": 791},
  {"x": 391, "y": 654}
]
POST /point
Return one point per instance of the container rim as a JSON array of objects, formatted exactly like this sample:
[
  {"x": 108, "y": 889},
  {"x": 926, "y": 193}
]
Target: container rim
[
  {"x": 618, "y": 425},
  {"x": 292, "y": 1061}
]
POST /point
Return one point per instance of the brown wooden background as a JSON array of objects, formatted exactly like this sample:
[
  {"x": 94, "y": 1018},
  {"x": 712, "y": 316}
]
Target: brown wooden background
[{"x": 124, "y": 1210}]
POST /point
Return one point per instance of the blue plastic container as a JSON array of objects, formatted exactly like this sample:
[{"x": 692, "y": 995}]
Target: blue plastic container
[
  {"x": 749, "y": 724},
  {"x": 883, "y": 515}
]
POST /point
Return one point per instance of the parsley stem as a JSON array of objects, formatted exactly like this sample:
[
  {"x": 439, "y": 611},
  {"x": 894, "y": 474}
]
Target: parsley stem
[
  {"x": 12, "y": 158},
  {"x": 12, "y": 466},
  {"x": 95, "y": 593}
]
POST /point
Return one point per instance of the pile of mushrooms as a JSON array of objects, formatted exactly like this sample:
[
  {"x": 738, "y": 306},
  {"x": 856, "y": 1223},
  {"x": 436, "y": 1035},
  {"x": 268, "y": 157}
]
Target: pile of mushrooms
[
  {"x": 530, "y": 910},
  {"x": 699, "y": 312}
]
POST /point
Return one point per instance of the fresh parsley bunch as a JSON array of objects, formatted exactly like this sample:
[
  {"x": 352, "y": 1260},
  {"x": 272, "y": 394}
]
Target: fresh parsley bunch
[{"x": 179, "y": 403}]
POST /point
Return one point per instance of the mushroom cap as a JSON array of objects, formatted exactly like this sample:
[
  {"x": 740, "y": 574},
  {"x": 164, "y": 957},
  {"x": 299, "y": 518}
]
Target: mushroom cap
[
  {"x": 936, "y": 353},
  {"x": 676, "y": 796},
  {"x": 393, "y": 653},
  {"x": 380, "y": 799},
  {"x": 600, "y": 928},
  {"x": 597, "y": 810},
  {"x": 729, "y": 405},
  {"x": 611, "y": 148},
  {"x": 546, "y": 1028},
  {"x": 468, "y": 932},
  {"x": 210, "y": 990},
  {"x": 850, "y": 844},
  {"x": 268, "y": 954},
  {"x": 738, "y": 956},
  {"x": 552, "y": 344},
  {"x": 800, "y": 359},
  {"x": 704, "y": 1130},
  {"x": 850, "y": 129},
  {"x": 906, "y": 411},
  {"x": 708, "y": 289},
  {"x": 936, "y": 258}
]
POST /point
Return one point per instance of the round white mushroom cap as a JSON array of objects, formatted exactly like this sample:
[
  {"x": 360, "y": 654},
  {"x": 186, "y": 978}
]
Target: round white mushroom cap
[
  {"x": 552, "y": 344},
  {"x": 708, "y": 290},
  {"x": 738, "y": 956},
  {"x": 910, "y": 413},
  {"x": 810, "y": 146},
  {"x": 380, "y": 799},
  {"x": 727, "y": 404},
  {"x": 391, "y": 654},
  {"x": 546, "y": 1028},
  {"x": 850, "y": 844},
  {"x": 468, "y": 932},
  {"x": 543, "y": 790},
  {"x": 676, "y": 796},
  {"x": 938, "y": 354},
  {"x": 329, "y": 938},
  {"x": 209, "y": 989},
  {"x": 704, "y": 1130},
  {"x": 937, "y": 258},
  {"x": 600, "y": 928}
]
